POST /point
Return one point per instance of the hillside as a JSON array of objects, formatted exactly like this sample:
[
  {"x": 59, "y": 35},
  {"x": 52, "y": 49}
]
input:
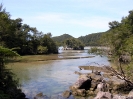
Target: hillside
[
  {"x": 91, "y": 39},
  {"x": 61, "y": 38},
  {"x": 88, "y": 40}
]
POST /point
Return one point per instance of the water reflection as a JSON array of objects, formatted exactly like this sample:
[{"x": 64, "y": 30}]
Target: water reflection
[{"x": 53, "y": 77}]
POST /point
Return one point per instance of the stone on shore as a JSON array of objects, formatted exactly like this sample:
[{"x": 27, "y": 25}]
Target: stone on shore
[
  {"x": 40, "y": 96},
  {"x": 66, "y": 94},
  {"x": 130, "y": 95}
]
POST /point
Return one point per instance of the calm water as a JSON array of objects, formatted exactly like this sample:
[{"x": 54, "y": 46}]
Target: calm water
[{"x": 53, "y": 77}]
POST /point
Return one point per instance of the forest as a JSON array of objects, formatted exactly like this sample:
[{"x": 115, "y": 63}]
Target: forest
[
  {"x": 91, "y": 39},
  {"x": 119, "y": 38},
  {"x": 22, "y": 38},
  {"x": 88, "y": 40}
]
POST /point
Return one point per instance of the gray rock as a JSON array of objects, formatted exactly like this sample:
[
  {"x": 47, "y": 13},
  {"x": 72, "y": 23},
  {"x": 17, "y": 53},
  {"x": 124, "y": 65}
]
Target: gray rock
[
  {"x": 103, "y": 95},
  {"x": 119, "y": 97},
  {"x": 115, "y": 83}
]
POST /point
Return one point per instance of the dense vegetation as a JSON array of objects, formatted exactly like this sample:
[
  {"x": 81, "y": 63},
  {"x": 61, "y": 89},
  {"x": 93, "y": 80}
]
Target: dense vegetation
[
  {"x": 9, "y": 88},
  {"x": 91, "y": 39},
  {"x": 23, "y": 38},
  {"x": 61, "y": 38},
  {"x": 73, "y": 43},
  {"x": 88, "y": 40},
  {"x": 120, "y": 40},
  {"x": 120, "y": 36},
  {"x": 16, "y": 37},
  {"x": 68, "y": 41}
]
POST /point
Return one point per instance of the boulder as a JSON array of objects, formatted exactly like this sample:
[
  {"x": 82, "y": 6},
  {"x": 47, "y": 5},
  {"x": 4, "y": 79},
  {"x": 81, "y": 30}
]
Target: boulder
[
  {"x": 79, "y": 92},
  {"x": 40, "y": 96},
  {"x": 96, "y": 78},
  {"x": 130, "y": 95},
  {"x": 115, "y": 83},
  {"x": 66, "y": 94},
  {"x": 103, "y": 95},
  {"x": 119, "y": 97},
  {"x": 84, "y": 82},
  {"x": 125, "y": 58},
  {"x": 94, "y": 85}
]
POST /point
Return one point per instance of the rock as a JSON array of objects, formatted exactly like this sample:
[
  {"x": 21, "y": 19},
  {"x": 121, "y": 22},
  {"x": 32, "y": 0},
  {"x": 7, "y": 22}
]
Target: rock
[
  {"x": 96, "y": 77},
  {"x": 103, "y": 95},
  {"x": 73, "y": 87},
  {"x": 97, "y": 72},
  {"x": 93, "y": 85},
  {"x": 86, "y": 85},
  {"x": 130, "y": 95},
  {"x": 115, "y": 83},
  {"x": 22, "y": 95},
  {"x": 119, "y": 97},
  {"x": 125, "y": 58},
  {"x": 77, "y": 73},
  {"x": 90, "y": 93},
  {"x": 84, "y": 82},
  {"x": 40, "y": 96},
  {"x": 91, "y": 89},
  {"x": 102, "y": 86},
  {"x": 74, "y": 93},
  {"x": 79, "y": 92},
  {"x": 66, "y": 94}
]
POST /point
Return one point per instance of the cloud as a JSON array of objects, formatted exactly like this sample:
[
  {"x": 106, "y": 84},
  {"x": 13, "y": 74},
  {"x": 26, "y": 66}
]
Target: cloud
[
  {"x": 62, "y": 19},
  {"x": 71, "y": 15}
]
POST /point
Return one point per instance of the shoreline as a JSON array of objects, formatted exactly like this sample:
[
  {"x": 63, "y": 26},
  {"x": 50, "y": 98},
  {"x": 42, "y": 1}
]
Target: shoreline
[{"x": 35, "y": 58}]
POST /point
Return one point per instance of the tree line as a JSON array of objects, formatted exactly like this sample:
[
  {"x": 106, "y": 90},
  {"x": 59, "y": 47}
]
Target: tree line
[
  {"x": 69, "y": 41},
  {"x": 22, "y": 38},
  {"x": 88, "y": 40},
  {"x": 73, "y": 43},
  {"x": 91, "y": 39},
  {"x": 119, "y": 38}
]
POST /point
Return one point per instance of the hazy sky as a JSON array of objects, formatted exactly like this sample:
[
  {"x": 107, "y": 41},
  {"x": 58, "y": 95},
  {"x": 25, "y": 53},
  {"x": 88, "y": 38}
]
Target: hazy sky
[{"x": 74, "y": 17}]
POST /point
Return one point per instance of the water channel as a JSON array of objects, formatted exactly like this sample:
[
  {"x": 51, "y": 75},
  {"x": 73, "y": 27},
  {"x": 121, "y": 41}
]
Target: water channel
[{"x": 54, "y": 76}]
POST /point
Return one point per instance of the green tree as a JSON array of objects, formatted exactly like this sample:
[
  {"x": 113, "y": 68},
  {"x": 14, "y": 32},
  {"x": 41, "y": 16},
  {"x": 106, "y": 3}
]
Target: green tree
[
  {"x": 8, "y": 85},
  {"x": 47, "y": 42},
  {"x": 74, "y": 44},
  {"x": 120, "y": 41}
]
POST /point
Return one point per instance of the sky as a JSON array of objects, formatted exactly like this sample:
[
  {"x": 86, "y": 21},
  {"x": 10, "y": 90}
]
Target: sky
[{"x": 74, "y": 17}]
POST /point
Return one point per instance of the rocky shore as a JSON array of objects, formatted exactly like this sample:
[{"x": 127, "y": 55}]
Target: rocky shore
[{"x": 98, "y": 85}]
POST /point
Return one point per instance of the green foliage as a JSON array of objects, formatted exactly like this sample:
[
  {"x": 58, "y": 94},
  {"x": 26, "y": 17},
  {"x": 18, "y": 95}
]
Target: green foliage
[
  {"x": 60, "y": 39},
  {"x": 5, "y": 53},
  {"x": 3, "y": 95},
  {"x": 15, "y": 34},
  {"x": 91, "y": 39},
  {"x": 93, "y": 50},
  {"x": 120, "y": 36},
  {"x": 120, "y": 40},
  {"x": 96, "y": 50},
  {"x": 47, "y": 42},
  {"x": 74, "y": 44},
  {"x": 42, "y": 50},
  {"x": 8, "y": 84}
]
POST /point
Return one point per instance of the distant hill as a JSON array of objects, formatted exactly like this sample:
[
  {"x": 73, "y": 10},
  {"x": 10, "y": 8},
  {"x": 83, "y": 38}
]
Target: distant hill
[
  {"x": 62, "y": 38},
  {"x": 88, "y": 40},
  {"x": 91, "y": 39}
]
